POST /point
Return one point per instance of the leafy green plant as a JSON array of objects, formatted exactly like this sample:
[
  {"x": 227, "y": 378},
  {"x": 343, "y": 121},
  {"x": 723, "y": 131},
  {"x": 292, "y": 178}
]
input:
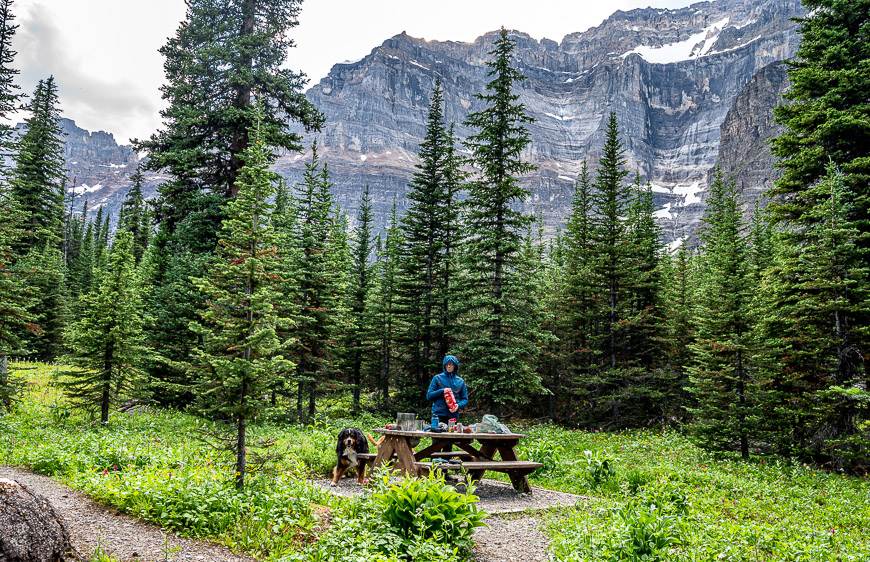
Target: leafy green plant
[
  {"x": 547, "y": 451},
  {"x": 429, "y": 508},
  {"x": 598, "y": 468},
  {"x": 647, "y": 534}
]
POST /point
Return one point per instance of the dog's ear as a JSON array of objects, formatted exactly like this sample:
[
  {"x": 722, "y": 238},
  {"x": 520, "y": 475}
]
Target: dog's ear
[
  {"x": 362, "y": 444},
  {"x": 339, "y": 446}
]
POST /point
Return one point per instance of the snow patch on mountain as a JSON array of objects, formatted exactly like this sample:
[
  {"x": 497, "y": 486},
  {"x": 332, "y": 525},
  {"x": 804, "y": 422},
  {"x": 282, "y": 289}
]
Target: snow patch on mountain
[
  {"x": 689, "y": 192},
  {"x": 697, "y": 45},
  {"x": 85, "y": 188}
]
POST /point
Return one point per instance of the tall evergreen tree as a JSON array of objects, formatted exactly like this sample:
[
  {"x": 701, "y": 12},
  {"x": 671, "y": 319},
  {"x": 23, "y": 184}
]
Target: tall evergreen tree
[
  {"x": 38, "y": 179},
  {"x": 240, "y": 355},
  {"x": 285, "y": 220},
  {"x": 499, "y": 350},
  {"x": 610, "y": 258},
  {"x": 15, "y": 320},
  {"x": 223, "y": 53},
  {"x": 580, "y": 310},
  {"x": 649, "y": 388},
  {"x": 678, "y": 282},
  {"x": 134, "y": 216},
  {"x": 105, "y": 342},
  {"x": 826, "y": 114},
  {"x": 315, "y": 207},
  {"x": 43, "y": 273},
  {"x": 425, "y": 228},
  {"x": 384, "y": 296},
  {"x": 10, "y": 96},
  {"x": 721, "y": 380},
  {"x": 360, "y": 288},
  {"x": 817, "y": 291}
]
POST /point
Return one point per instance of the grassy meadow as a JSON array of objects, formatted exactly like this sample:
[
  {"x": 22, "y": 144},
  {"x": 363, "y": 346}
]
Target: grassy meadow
[{"x": 648, "y": 495}]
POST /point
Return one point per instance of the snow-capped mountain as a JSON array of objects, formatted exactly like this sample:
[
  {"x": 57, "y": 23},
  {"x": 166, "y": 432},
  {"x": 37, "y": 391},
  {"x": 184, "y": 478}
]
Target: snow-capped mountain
[{"x": 671, "y": 76}]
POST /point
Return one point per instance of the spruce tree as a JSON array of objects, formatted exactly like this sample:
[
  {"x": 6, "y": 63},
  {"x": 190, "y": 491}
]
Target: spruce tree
[
  {"x": 359, "y": 290},
  {"x": 10, "y": 97},
  {"x": 43, "y": 274},
  {"x": 721, "y": 379},
  {"x": 677, "y": 284},
  {"x": 581, "y": 309},
  {"x": 285, "y": 220},
  {"x": 15, "y": 318},
  {"x": 610, "y": 258},
  {"x": 315, "y": 330},
  {"x": 816, "y": 292},
  {"x": 38, "y": 180},
  {"x": 385, "y": 320},
  {"x": 240, "y": 352},
  {"x": 826, "y": 114},
  {"x": 649, "y": 389},
  {"x": 224, "y": 55},
  {"x": 425, "y": 227},
  {"x": 105, "y": 341},
  {"x": 498, "y": 346},
  {"x": 134, "y": 216}
]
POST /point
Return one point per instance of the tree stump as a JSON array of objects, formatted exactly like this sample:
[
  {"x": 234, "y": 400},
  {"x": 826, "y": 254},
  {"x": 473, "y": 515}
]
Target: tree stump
[{"x": 31, "y": 530}]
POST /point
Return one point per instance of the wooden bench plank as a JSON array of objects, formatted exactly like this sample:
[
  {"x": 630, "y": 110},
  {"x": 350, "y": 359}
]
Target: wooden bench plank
[
  {"x": 451, "y": 455},
  {"x": 496, "y": 466}
]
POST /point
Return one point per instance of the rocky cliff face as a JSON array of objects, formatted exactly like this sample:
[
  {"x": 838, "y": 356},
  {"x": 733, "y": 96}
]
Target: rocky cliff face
[
  {"x": 671, "y": 76},
  {"x": 744, "y": 149}
]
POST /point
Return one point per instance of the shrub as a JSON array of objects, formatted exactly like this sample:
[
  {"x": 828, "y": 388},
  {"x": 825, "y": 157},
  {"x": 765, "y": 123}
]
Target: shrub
[{"x": 429, "y": 508}]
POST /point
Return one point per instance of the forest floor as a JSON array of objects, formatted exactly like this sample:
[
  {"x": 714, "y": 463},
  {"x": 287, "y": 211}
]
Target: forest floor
[{"x": 643, "y": 493}]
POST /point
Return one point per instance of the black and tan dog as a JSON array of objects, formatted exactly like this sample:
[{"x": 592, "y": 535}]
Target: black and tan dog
[{"x": 351, "y": 442}]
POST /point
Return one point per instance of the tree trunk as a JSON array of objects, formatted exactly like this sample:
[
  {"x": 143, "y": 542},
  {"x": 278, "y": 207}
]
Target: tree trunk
[
  {"x": 357, "y": 368},
  {"x": 107, "y": 383},
  {"x": 4, "y": 381},
  {"x": 741, "y": 417},
  {"x": 241, "y": 459},
  {"x": 242, "y": 101}
]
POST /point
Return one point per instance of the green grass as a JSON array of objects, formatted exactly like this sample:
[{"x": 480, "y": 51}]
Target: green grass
[
  {"x": 707, "y": 507},
  {"x": 650, "y": 495}
]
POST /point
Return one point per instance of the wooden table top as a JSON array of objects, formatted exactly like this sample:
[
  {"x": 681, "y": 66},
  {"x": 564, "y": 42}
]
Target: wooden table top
[{"x": 452, "y": 436}]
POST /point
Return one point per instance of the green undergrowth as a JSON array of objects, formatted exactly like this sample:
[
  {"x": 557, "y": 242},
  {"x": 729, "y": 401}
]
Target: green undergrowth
[
  {"x": 653, "y": 495},
  {"x": 647, "y": 495},
  {"x": 160, "y": 466}
]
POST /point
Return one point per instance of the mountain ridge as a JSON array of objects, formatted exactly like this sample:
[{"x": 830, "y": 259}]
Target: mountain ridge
[{"x": 671, "y": 114}]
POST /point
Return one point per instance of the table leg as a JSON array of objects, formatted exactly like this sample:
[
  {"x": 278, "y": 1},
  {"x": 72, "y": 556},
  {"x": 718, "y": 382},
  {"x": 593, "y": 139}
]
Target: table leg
[
  {"x": 405, "y": 457},
  {"x": 385, "y": 452},
  {"x": 487, "y": 450},
  {"x": 520, "y": 481}
]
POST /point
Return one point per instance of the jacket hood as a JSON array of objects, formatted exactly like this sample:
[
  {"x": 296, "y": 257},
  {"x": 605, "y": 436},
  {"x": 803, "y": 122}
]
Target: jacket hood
[{"x": 451, "y": 359}]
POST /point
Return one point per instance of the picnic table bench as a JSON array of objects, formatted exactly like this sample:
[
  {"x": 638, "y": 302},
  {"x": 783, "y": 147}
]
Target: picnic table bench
[{"x": 495, "y": 452}]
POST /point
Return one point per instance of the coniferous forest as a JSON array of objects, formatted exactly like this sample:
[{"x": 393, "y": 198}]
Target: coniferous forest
[{"x": 241, "y": 299}]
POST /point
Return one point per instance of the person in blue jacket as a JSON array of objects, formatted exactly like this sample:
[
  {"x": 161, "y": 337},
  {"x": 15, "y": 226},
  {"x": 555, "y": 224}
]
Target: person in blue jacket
[{"x": 448, "y": 378}]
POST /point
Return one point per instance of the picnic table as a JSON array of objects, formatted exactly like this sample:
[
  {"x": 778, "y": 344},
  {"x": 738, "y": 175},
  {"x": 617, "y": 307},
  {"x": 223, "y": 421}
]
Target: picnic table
[{"x": 494, "y": 451}]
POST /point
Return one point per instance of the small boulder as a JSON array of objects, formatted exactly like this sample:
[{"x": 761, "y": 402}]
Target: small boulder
[{"x": 30, "y": 530}]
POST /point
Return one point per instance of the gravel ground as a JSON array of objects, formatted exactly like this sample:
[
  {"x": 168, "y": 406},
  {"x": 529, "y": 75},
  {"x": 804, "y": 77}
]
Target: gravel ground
[
  {"x": 510, "y": 540},
  {"x": 495, "y": 497},
  {"x": 126, "y": 538}
]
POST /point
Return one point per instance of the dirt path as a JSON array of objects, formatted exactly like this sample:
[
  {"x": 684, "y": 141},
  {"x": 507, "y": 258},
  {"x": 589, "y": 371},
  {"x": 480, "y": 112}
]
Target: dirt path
[
  {"x": 125, "y": 538},
  {"x": 510, "y": 540}
]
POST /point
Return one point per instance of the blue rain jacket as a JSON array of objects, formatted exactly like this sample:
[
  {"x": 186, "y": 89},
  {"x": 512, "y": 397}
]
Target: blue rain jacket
[{"x": 444, "y": 380}]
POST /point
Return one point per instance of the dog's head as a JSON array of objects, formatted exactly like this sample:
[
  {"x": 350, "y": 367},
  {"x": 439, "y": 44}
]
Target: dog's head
[{"x": 352, "y": 438}]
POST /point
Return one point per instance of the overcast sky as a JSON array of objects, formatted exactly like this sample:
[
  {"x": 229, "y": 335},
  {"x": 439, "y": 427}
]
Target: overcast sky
[{"x": 104, "y": 52}]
